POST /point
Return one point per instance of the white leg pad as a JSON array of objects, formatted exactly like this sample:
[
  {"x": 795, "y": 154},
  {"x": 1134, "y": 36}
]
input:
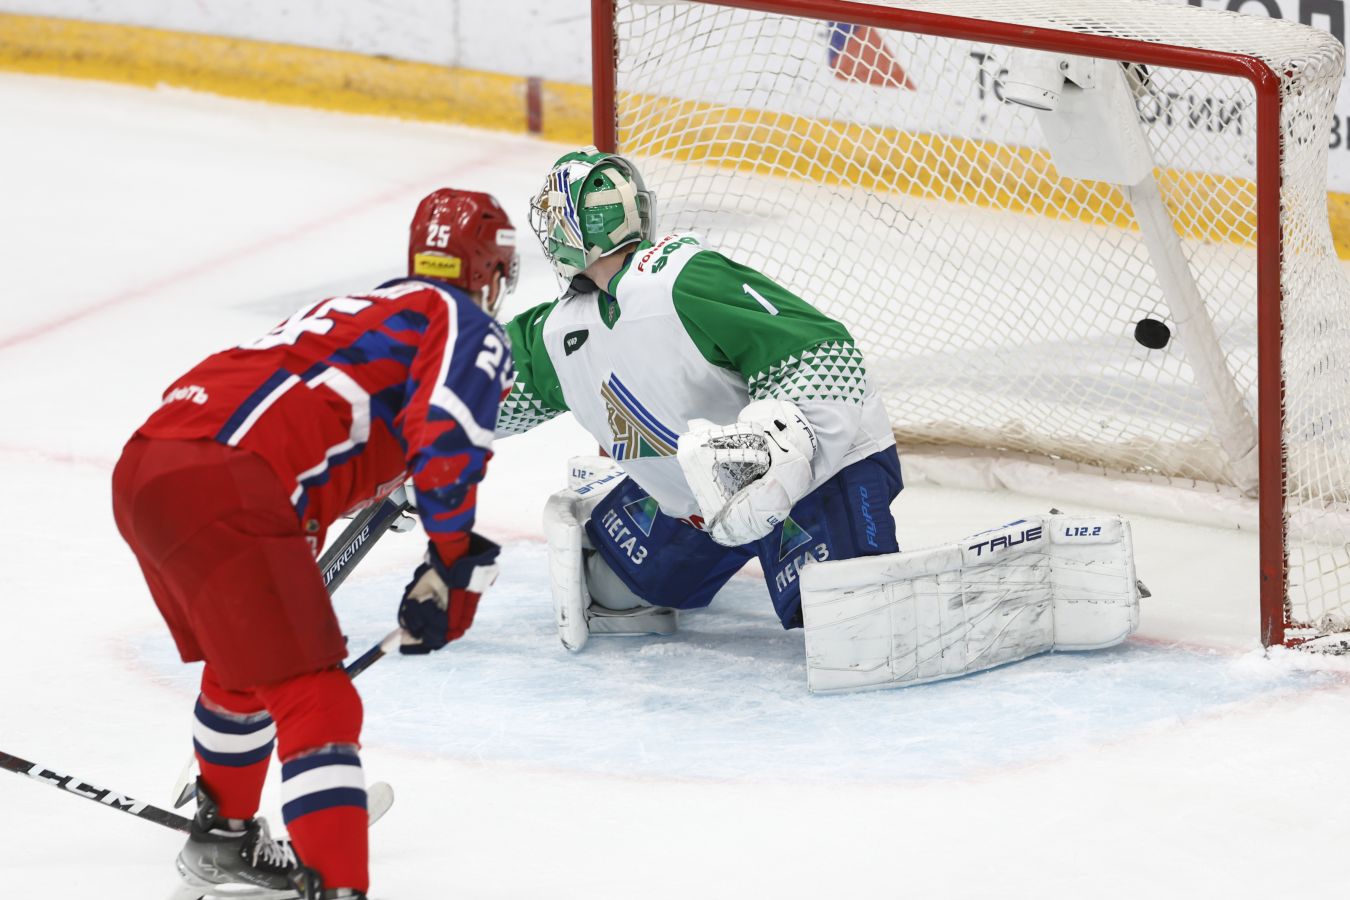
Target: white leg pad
[
  {"x": 567, "y": 579},
  {"x": 1044, "y": 583},
  {"x": 585, "y": 469},
  {"x": 588, "y": 598}
]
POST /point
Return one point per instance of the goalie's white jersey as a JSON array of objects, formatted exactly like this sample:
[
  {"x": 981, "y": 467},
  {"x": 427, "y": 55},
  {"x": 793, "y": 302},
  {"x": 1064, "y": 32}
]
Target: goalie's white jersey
[{"x": 681, "y": 332}]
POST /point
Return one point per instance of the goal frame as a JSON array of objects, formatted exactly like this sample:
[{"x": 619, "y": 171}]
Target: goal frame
[{"x": 1273, "y": 553}]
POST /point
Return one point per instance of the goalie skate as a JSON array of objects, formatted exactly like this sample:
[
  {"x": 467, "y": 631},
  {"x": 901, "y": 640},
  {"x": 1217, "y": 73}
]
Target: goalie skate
[{"x": 649, "y": 620}]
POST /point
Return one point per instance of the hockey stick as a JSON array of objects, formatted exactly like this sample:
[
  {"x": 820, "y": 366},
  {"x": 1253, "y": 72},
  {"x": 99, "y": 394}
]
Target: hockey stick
[
  {"x": 380, "y": 796},
  {"x": 352, "y": 545},
  {"x": 359, "y": 537},
  {"x": 388, "y": 644},
  {"x": 70, "y": 783}
]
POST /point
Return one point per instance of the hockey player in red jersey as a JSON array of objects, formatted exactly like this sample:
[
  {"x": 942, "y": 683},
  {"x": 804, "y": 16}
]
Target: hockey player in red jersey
[{"x": 225, "y": 495}]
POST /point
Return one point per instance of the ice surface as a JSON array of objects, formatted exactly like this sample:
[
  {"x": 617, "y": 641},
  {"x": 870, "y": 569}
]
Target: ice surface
[
  {"x": 733, "y": 681},
  {"x": 143, "y": 229}
]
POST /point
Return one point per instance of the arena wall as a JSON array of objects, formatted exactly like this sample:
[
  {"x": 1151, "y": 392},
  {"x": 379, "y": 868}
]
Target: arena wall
[{"x": 520, "y": 65}]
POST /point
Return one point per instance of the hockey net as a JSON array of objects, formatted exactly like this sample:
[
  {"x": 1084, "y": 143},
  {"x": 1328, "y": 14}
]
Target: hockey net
[{"x": 866, "y": 155}]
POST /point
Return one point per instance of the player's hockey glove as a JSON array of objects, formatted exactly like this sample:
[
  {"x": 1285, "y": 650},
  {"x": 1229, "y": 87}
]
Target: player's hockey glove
[
  {"x": 748, "y": 476},
  {"x": 440, "y": 601}
]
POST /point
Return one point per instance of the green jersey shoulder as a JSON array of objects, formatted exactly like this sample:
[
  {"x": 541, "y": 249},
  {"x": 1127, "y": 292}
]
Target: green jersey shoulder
[
  {"x": 537, "y": 395},
  {"x": 742, "y": 320},
  {"x": 737, "y": 320}
]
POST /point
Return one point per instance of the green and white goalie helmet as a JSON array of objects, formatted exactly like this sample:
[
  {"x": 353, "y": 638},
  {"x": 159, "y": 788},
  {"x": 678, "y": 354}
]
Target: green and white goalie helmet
[{"x": 592, "y": 204}]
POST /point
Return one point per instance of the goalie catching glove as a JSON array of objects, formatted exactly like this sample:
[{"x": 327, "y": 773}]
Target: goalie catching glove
[
  {"x": 747, "y": 476},
  {"x": 439, "y": 603}
]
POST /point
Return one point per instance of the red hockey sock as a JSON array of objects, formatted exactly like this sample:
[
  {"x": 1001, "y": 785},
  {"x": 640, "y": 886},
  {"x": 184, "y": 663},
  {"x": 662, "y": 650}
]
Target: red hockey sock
[
  {"x": 233, "y": 737},
  {"x": 333, "y": 842},
  {"x": 323, "y": 789}
]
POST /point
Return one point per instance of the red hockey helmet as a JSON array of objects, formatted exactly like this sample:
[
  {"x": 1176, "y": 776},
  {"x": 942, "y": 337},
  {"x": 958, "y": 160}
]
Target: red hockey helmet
[{"x": 465, "y": 238}]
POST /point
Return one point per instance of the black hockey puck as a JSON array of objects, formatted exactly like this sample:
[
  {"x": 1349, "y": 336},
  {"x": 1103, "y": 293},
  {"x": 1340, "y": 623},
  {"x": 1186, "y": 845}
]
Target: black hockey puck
[{"x": 1152, "y": 334}]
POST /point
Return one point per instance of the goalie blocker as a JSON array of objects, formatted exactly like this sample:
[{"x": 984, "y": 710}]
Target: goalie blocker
[{"x": 1045, "y": 583}]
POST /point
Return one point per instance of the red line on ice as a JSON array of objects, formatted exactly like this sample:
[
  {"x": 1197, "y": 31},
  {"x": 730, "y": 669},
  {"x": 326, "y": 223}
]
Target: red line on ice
[{"x": 200, "y": 268}]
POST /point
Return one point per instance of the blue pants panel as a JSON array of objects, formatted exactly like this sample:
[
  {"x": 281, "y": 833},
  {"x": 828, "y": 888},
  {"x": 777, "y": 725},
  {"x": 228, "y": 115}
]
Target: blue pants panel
[
  {"x": 661, "y": 559},
  {"x": 668, "y": 563},
  {"x": 846, "y": 517}
]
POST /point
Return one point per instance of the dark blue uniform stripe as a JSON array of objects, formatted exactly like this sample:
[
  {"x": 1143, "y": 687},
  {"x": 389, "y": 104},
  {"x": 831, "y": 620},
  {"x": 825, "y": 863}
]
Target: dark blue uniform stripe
[
  {"x": 640, "y": 411},
  {"x": 323, "y": 800},
  {"x": 216, "y": 722},
  {"x": 234, "y": 760},
  {"x": 251, "y": 403},
  {"x": 407, "y": 320},
  {"x": 315, "y": 760}
]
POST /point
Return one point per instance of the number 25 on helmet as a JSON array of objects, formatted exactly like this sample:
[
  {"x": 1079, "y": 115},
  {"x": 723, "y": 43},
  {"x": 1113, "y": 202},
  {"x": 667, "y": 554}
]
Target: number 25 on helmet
[{"x": 465, "y": 239}]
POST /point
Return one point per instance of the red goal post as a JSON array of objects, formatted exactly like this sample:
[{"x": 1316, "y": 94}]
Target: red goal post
[{"x": 692, "y": 114}]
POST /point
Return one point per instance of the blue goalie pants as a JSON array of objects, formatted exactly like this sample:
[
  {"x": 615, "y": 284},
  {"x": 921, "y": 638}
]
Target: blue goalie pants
[{"x": 670, "y": 563}]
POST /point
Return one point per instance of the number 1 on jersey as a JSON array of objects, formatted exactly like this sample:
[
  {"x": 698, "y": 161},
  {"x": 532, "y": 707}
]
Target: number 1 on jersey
[{"x": 773, "y": 310}]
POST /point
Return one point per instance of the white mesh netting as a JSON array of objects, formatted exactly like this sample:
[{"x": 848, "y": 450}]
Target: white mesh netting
[{"x": 881, "y": 175}]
